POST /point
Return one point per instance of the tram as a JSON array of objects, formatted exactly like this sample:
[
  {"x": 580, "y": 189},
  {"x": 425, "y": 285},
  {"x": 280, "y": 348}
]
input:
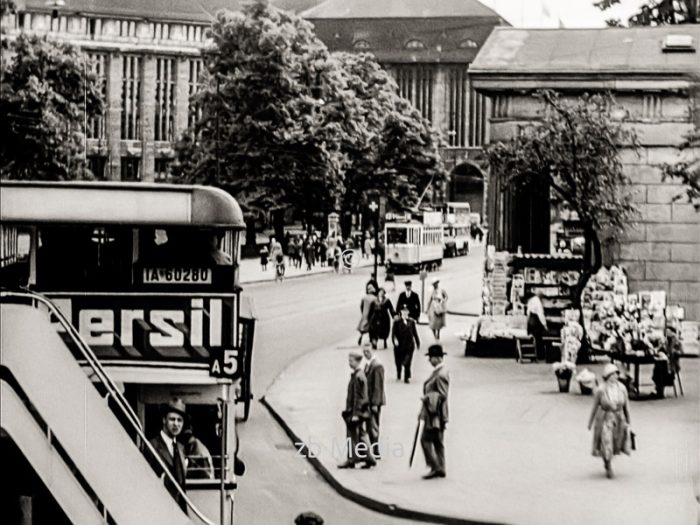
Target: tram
[
  {"x": 457, "y": 228},
  {"x": 413, "y": 245},
  {"x": 147, "y": 277}
]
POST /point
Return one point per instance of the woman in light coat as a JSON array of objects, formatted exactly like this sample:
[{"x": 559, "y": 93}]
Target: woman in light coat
[
  {"x": 437, "y": 308},
  {"x": 610, "y": 419}
]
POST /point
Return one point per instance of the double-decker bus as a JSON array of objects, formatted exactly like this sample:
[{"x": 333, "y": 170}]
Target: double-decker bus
[
  {"x": 457, "y": 228},
  {"x": 147, "y": 275},
  {"x": 413, "y": 245}
]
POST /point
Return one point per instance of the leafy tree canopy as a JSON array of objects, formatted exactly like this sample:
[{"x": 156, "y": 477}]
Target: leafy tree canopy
[
  {"x": 285, "y": 122},
  {"x": 656, "y": 12},
  {"x": 45, "y": 89},
  {"x": 574, "y": 151}
]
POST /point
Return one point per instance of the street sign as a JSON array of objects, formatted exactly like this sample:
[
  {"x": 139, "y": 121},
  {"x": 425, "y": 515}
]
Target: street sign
[{"x": 423, "y": 275}]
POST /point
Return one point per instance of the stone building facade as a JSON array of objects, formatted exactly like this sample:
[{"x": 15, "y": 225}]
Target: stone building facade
[
  {"x": 146, "y": 56},
  {"x": 652, "y": 74}
]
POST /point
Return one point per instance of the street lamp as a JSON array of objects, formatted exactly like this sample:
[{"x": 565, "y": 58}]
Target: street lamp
[{"x": 374, "y": 207}]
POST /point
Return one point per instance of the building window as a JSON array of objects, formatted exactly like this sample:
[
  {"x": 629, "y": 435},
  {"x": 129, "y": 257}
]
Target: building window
[
  {"x": 458, "y": 105},
  {"x": 131, "y": 168},
  {"x": 161, "y": 31},
  {"x": 131, "y": 97},
  {"x": 19, "y": 21},
  {"x": 96, "y": 124},
  {"x": 193, "y": 85},
  {"x": 416, "y": 85},
  {"x": 161, "y": 168},
  {"x": 127, "y": 28},
  {"x": 415, "y": 44},
  {"x": 468, "y": 44},
  {"x": 98, "y": 166},
  {"x": 57, "y": 24},
  {"x": 165, "y": 99},
  {"x": 477, "y": 118},
  {"x": 361, "y": 44},
  {"x": 501, "y": 106},
  {"x": 92, "y": 28},
  {"x": 652, "y": 107}
]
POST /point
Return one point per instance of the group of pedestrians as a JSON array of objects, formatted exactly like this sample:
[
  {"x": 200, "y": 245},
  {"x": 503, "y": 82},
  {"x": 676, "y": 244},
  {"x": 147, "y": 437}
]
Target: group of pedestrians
[{"x": 365, "y": 396}]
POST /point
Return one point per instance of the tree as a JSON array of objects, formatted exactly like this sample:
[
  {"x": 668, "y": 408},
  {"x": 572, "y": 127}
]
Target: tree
[
  {"x": 276, "y": 112},
  {"x": 574, "y": 151},
  {"x": 398, "y": 155},
  {"x": 688, "y": 172},
  {"x": 656, "y": 12},
  {"x": 45, "y": 90}
]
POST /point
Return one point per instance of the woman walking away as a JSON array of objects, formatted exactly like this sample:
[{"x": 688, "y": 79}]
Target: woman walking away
[
  {"x": 536, "y": 322},
  {"x": 610, "y": 419},
  {"x": 380, "y": 318},
  {"x": 437, "y": 308},
  {"x": 264, "y": 254},
  {"x": 366, "y": 306}
]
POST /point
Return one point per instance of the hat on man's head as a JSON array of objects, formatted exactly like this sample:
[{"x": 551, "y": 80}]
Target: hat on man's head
[
  {"x": 435, "y": 351},
  {"x": 434, "y": 280},
  {"x": 404, "y": 306},
  {"x": 176, "y": 405},
  {"x": 355, "y": 354},
  {"x": 609, "y": 370},
  {"x": 408, "y": 283},
  {"x": 308, "y": 518}
]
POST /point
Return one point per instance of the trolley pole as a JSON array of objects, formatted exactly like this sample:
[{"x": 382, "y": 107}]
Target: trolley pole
[{"x": 375, "y": 210}]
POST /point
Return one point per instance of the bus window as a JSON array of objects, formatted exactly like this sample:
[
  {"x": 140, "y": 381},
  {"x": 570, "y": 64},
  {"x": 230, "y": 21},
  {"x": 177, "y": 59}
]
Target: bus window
[
  {"x": 397, "y": 236},
  {"x": 200, "y": 437},
  {"x": 186, "y": 247},
  {"x": 14, "y": 256},
  {"x": 84, "y": 258}
]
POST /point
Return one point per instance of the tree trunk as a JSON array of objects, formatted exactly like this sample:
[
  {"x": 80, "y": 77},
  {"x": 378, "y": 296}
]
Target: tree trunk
[
  {"x": 278, "y": 224},
  {"x": 592, "y": 261},
  {"x": 251, "y": 246}
]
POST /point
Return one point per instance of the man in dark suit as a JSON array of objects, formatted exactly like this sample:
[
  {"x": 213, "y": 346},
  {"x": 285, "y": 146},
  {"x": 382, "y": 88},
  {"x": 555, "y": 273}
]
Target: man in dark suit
[
  {"x": 374, "y": 371},
  {"x": 356, "y": 414},
  {"x": 434, "y": 413},
  {"x": 405, "y": 338},
  {"x": 409, "y": 298},
  {"x": 169, "y": 449}
]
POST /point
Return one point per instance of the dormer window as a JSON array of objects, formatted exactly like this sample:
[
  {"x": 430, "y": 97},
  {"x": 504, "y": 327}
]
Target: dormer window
[
  {"x": 415, "y": 44},
  {"x": 361, "y": 44},
  {"x": 468, "y": 44}
]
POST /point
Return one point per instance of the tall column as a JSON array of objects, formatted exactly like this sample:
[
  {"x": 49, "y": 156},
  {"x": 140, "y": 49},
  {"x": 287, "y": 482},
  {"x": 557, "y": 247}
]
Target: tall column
[
  {"x": 440, "y": 109},
  {"x": 148, "y": 107},
  {"x": 113, "y": 124}
]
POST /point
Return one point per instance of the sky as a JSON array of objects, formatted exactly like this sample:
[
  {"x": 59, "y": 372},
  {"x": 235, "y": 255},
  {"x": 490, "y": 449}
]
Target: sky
[{"x": 560, "y": 13}]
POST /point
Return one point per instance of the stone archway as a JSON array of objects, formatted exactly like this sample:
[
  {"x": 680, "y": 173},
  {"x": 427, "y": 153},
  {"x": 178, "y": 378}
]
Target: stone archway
[{"x": 467, "y": 185}]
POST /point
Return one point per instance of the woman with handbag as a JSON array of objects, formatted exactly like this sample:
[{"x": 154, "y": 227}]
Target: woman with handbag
[
  {"x": 437, "y": 308},
  {"x": 610, "y": 419}
]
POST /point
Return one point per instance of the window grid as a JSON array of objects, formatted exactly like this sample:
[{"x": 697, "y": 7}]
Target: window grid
[
  {"x": 193, "y": 86},
  {"x": 131, "y": 98},
  {"x": 131, "y": 168},
  {"x": 96, "y": 124},
  {"x": 416, "y": 85},
  {"x": 477, "y": 118},
  {"x": 652, "y": 107},
  {"x": 165, "y": 99},
  {"x": 161, "y": 168},
  {"x": 458, "y": 103}
]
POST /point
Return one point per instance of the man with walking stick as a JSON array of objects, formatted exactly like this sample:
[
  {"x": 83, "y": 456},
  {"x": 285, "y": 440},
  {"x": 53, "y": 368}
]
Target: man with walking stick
[{"x": 434, "y": 413}]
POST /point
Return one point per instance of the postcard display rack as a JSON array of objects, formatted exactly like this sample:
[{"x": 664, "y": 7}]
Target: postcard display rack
[{"x": 509, "y": 279}]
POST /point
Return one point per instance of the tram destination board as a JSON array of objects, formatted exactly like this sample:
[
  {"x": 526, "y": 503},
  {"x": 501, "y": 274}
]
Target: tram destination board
[{"x": 177, "y": 328}]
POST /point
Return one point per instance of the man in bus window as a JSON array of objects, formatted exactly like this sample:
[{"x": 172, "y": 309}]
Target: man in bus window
[
  {"x": 169, "y": 449},
  {"x": 220, "y": 257}
]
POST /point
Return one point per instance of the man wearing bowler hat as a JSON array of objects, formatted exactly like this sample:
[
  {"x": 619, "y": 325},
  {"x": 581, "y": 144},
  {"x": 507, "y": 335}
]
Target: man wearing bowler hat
[
  {"x": 405, "y": 338},
  {"x": 169, "y": 449},
  {"x": 434, "y": 413},
  {"x": 409, "y": 298}
]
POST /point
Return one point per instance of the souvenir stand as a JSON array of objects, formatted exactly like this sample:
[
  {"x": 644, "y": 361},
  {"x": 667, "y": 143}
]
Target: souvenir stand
[{"x": 509, "y": 279}]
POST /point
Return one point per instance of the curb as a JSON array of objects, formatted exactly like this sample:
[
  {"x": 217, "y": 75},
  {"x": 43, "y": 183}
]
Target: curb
[{"x": 369, "y": 503}]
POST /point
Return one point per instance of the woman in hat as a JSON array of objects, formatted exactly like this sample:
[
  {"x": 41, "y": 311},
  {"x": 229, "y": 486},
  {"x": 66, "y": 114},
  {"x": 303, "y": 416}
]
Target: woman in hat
[
  {"x": 367, "y": 305},
  {"x": 437, "y": 308},
  {"x": 381, "y": 314},
  {"x": 610, "y": 419}
]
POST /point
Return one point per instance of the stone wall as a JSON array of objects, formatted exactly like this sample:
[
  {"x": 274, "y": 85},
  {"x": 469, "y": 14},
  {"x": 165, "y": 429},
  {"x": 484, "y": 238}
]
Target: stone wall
[{"x": 662, "y": 251}]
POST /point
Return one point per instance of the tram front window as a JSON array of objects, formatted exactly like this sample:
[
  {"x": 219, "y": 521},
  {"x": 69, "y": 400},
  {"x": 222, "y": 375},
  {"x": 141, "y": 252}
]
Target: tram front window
[{"x": 396, "y": 236}]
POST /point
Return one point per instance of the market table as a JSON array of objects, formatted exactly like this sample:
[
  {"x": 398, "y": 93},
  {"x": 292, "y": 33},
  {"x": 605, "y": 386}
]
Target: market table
[{"x": 637, "y": 361}]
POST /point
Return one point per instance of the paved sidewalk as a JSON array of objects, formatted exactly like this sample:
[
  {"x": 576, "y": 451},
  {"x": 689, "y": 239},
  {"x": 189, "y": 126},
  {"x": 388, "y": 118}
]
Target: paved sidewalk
[
  {"x": 252, "y": 272},
  {"x": 518, "y": 451}
]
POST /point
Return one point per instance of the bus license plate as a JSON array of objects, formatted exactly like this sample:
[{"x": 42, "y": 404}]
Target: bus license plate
[{"x": 177, "y": 275}]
